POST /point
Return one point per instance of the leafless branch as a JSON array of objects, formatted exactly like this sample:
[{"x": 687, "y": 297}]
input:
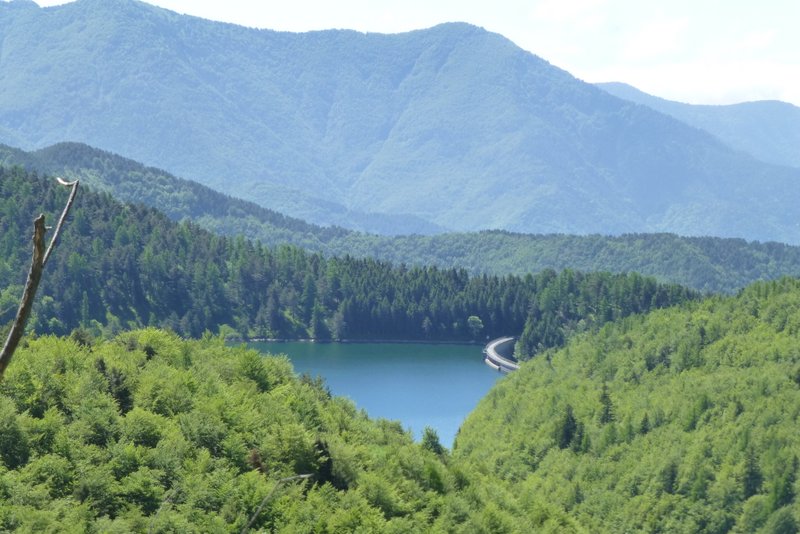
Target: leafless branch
[
  {"x": 67, "y": 206},
  {"x": 38, "y": 260}
]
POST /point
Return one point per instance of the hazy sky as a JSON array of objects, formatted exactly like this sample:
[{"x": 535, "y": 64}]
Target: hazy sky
[{"x": 697, "y": 51}]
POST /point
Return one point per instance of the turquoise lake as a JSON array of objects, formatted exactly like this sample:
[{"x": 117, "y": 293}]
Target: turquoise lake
[{"x": 417, "y": 384}]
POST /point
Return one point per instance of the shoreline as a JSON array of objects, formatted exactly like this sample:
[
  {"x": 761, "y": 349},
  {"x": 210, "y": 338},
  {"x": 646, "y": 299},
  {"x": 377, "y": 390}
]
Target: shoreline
[{"x": 357, "y": 341}]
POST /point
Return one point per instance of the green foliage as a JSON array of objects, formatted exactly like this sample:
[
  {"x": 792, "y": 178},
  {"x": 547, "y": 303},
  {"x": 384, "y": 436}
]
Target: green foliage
[
  {"x": 607, "y": 410},
  {"x": 566, "y": 429},
  {"x": 703, "y": 263},
  {"x": 688, "y": 416},
  {"x": 430, "y": 441},
  {"x": 128, "y": 266},
  {"x": 13, "y": 442},
  {"x": 252, "y": 366},
  {"x": 204, "y": 464},
  {"x": 573, "y": 302},
  {"x": 475, "y": 326},
  {"x": 143, "y": 428}
]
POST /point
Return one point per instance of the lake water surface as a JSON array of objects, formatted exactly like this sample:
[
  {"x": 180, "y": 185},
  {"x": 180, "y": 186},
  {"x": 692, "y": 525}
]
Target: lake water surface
[{"x": 418, "y": 384}]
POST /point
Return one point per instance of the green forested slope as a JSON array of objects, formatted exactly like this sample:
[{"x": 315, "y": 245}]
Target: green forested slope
[
  {"x": 703, "y": 263},
  {"x": 123, "y": 266},
  {"x": 767, "y": 129},
  {"x": 131, "y": 182},
  {"x": 681, "y": 421},
  {"x": 449, "y": 127},
  {"x": 149, "y": 433}
]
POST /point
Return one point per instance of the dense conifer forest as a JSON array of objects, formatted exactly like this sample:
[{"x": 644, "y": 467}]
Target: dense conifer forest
[
  {"x": 126, "y": 266},
  {"x": 703, "y": 263}
]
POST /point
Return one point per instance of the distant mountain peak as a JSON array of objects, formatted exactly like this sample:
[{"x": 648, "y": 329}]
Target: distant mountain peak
[
  {"x": 114, "y": 3},
  {"x": 453, "y": 125},
  {"x": 459, "y": 26}
]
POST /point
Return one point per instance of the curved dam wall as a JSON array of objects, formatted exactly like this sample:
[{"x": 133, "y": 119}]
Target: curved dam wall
[{"x": 499, "y": 354}]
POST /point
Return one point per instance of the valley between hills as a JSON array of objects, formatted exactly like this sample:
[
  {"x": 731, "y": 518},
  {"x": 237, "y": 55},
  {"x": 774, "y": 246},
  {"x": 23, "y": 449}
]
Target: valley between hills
[{"x": 436, "y": 186}]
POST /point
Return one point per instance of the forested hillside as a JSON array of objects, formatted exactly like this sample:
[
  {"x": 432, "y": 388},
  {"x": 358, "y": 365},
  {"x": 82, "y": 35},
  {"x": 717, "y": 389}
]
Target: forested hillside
[
  {"x": 684, "y": 420},
  {"x": 123, "y": 266},
  {"x": 768, "y": 130},
  {"x": 703, "y": 263},
  {"x": 451, "y": 127},
  {"x": 131, "y": 182},
  {"x": 149, "y": 433}
]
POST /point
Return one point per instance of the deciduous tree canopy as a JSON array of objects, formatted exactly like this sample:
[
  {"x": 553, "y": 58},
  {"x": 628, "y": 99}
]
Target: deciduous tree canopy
[{"x": 684, "y": 420}]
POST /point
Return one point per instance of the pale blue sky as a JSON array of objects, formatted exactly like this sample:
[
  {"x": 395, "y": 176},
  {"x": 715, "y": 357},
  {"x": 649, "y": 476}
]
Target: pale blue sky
[{"x": 697, "y": 51}]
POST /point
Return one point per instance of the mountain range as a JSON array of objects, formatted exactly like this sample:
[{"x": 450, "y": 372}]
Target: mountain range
[
  {"x": 767, "y": 129},
  {"x": 452, "y": 127}
]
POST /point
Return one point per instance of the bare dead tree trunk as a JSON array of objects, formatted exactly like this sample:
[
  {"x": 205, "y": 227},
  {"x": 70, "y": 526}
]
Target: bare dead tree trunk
[{"x": 38, "y": 261}]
